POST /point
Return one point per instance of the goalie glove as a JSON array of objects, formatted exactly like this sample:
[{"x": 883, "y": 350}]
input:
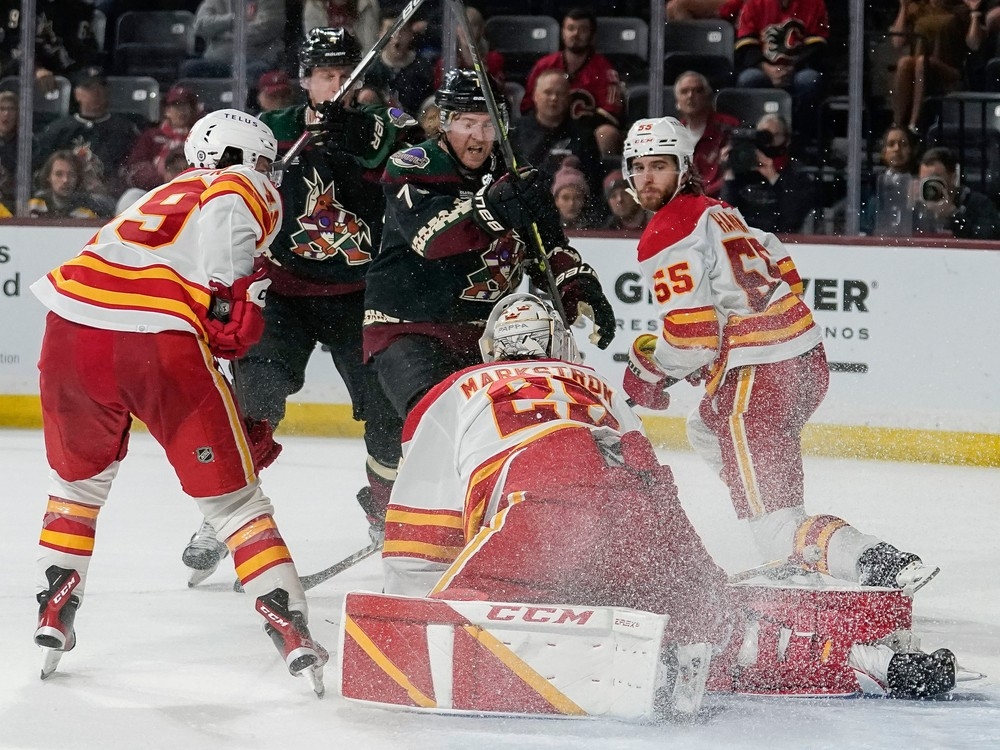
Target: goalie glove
[
  {"x": 355, "y": 131},
  {"x": 645, "y": 383},
  {"x": 236, "y": 321},
  {"x": 581, "y": 294}
]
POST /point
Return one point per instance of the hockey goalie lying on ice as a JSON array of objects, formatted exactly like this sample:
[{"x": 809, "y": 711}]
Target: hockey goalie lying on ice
[{"x": 537, "y": 561}]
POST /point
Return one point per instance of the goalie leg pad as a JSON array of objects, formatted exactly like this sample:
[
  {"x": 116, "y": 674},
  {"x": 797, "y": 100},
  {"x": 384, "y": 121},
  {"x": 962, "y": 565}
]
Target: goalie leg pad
[
  {"x": 797, "y": 640},
  {"x": 500, "y": 657}
]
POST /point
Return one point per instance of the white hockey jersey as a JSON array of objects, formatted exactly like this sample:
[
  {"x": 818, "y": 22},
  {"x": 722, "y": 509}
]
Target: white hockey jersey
[
  {"x": 727, "y": 295},
  {"x": 457, "y": 444},
  {"x": 148, "y": 269}
]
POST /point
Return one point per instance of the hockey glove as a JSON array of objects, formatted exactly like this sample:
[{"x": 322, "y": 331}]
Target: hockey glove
[
  {"x": 236, "y": 321},
  {"x": 582, "y": 295},
  {"x": 512, "y": 204},
  {"x": 263, "y": 447},
  {"x": 357, "y": 132},
  {"x": 645, "y": 383}
]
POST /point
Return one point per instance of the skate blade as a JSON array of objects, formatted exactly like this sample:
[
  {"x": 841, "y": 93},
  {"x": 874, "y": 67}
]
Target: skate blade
[
  {"x": 963, "y": 674},
  {"x": 199, "y": 576},
  {"x": 50, "y": 661},
  {"x": 316, "y": 678}
]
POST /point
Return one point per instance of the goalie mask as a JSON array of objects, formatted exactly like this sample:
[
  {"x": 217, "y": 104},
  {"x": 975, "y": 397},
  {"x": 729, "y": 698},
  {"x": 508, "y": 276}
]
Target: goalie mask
[
  {"x": 224, "y": 129},
  {"x": 661, "y": 136},
  {"x": 522, "y": 326}
]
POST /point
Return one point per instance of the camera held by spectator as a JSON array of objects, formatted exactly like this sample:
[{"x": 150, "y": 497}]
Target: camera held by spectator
[
  {"x": 744, "y": 144},
  {"x": 933, "y": 190}
]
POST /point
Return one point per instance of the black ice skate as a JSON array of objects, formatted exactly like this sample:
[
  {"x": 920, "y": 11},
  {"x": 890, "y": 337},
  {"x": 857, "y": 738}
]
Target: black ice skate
[
  {"x": 57, "y": 607},
  {"x": 906, "y": 674},
  {"x": 203, "y": 554},
  {"x": 290, "y": 635},
  {"x": 884, "y": 565}
]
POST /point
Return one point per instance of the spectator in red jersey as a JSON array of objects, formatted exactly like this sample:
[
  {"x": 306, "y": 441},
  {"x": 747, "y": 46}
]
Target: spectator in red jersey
[
  {"x": 275, "y": 91},
  {"x": 360, "y": 17},
  {"x": 781, "y": 44},
  {"x": 146, "y": 161},
  {"x": 595, "y": 89},
  {"x": 696, "y": 109}
]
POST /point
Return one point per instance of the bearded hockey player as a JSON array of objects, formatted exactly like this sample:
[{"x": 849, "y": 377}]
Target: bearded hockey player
[
  {"x": 136, "y": 323},
  {"x": 727, "y": 296},
  {"x": 454, "y": 244},
  {"x": 531, "y": 514}
]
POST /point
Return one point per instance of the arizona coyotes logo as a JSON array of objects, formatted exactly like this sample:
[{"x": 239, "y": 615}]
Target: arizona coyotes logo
[
  {"x": 500, "y": 272},
  {"x": 783, "y": 42},
  {"x": 328, "y": 229}
]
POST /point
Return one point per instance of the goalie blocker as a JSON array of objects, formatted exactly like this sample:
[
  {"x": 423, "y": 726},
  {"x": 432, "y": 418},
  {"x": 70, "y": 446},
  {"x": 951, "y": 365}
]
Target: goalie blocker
[{"x": 576, "y": 661}]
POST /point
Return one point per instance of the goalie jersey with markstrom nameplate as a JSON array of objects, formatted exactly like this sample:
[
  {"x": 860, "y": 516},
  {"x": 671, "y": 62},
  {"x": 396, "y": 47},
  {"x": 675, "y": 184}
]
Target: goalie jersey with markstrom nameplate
[
  {"x": 436, "y": 265},
  {"x": 148, "y": 269},
  {"x": 447, "y": 476},
  {"x": 333, "y": 208},
  {"x": 726, "y": 294}
]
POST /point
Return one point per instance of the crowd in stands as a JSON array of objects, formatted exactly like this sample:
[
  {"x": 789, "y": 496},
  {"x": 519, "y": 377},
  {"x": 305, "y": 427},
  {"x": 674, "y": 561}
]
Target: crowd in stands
[{"x": 569, "y": 109}]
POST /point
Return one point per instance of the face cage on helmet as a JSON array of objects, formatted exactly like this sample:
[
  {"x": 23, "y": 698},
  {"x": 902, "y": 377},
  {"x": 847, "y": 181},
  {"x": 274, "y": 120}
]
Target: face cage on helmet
[{"x": 561, "y": 344}]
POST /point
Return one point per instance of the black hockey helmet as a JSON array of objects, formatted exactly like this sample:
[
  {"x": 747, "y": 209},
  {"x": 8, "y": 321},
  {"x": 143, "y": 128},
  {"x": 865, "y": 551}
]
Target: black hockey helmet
[
  {"x": 327, "y": 48},
  {"x": 460, "y": 92}
]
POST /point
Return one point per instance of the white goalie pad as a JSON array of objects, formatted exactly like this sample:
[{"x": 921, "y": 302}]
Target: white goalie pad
[{"x": 500, "y": 657}]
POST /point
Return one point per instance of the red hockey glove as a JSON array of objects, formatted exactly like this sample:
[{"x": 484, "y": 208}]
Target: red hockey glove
[
  {"x": 645, "y": 383},
  {"x": 236, "y": 321},
  {"x": 263, "y": 447}
]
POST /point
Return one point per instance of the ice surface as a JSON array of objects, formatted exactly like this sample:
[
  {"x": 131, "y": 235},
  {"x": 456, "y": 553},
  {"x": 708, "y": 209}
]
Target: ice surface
[{"x": 162, "y": 666}]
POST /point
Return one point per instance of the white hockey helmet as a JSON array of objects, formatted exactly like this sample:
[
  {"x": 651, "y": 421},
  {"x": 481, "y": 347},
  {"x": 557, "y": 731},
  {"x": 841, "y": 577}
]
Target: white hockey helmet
[
  {"x": 229, "y": 128},
  {"x": 656, "y": 137},
  {"x": 523, "y": 326}
]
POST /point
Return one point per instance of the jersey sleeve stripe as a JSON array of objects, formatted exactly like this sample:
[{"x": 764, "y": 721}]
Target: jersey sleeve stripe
[{"x": 234, "y": 184}]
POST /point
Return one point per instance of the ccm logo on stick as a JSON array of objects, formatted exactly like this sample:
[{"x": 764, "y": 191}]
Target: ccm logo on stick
[{"x": 539, "y": 614}]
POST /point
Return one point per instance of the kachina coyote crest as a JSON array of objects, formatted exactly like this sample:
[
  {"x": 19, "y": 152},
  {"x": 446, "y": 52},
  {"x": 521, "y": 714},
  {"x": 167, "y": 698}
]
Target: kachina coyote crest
[{"x": 328, "y": 228}]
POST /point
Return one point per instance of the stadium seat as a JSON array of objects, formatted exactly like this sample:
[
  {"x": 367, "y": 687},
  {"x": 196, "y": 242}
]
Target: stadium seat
[
  {"x": 48, "y": 104},
  {"x": 706, "y": 46},
  {"x": 637, "y": 102},
  {"x": 625, "y": 41},
  {"x": 522, "y": 40},
  {"x": 213, "y": 93},
  {"x": 969, "y": 124},
  {"x": 515, "y": 93},
  {"x": 749, "y": 105},
  {"x": 153, "y": 43},
  {"x": 135, "y": 95}
]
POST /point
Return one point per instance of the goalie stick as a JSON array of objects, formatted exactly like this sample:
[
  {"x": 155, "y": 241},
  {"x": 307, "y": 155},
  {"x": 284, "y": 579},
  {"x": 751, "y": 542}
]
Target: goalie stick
[
  {"x": 279, "y": 167},
  {"x": 315, "y": 579},
  {"x": 510, "y": 161}
]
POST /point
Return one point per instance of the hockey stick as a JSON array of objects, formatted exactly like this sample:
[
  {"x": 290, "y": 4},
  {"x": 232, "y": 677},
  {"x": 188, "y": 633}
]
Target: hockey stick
[
  {"x": 509, "y": 160},
  {"x": 315, "y": 579},
  {"x": 279, "y": 167}
]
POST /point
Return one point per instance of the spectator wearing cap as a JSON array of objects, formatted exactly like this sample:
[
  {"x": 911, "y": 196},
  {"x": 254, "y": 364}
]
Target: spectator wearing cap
[
  {"x": 146, "y": 161},
  {"x": 626, "y": 214},
  {"x": 570, "y": 191},
  {"x": 275, "y": 91},
  {"x": 101, "y": 138}
]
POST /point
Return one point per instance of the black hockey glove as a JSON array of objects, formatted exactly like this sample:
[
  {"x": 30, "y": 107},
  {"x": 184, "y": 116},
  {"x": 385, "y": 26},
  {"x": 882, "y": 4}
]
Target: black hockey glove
[
  {"x": 512, "y": 204},
  {"x": 354, "y": 131},
  {"x": 581, "y": 294}
]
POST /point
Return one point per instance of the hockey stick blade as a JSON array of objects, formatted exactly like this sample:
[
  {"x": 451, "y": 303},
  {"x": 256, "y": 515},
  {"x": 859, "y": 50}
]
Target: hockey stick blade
[
  {"x": 326, "y": 574},
  {"x": 315, "y": 579}
]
